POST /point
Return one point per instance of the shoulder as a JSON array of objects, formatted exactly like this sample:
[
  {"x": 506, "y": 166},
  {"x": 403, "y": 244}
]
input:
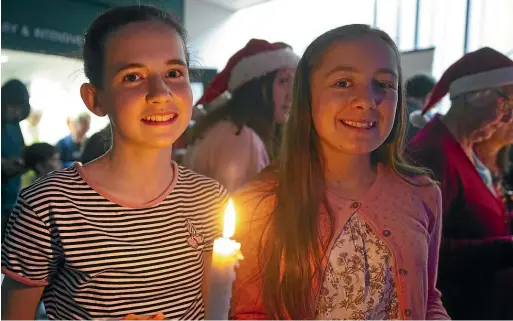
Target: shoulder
[
  {"x": 62, "y": 180},
  {"x": 63, "y": 141},
  {"x": 256, "y": 200},
  {"x": 194, "y": 183},
  {"x": 226, "y": 131},
  {"x": 57, "y": 187},
  {"x": 417, "y": 187},
  {"x": 421, "y": 190}
]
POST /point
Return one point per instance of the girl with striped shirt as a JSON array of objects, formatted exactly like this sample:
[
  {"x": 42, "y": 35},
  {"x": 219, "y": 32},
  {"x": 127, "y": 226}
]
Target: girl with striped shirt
[{"x": 130, "y": 232}]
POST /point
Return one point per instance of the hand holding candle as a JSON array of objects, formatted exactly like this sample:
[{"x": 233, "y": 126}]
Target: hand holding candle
[{"x": 225, "y": 257}]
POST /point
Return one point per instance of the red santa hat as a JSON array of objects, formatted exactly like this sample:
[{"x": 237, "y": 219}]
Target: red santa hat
[
  {"x": 482, "y": 69},
  {"x": 255, "y": 60}
]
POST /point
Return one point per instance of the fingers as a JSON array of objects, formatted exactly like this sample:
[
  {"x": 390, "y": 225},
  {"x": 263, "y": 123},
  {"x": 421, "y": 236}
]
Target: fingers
[{"x": 156, "y": 316}]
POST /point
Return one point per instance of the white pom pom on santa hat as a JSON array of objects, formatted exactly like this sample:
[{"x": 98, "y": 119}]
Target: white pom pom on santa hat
[
  {"x": 481, "y": 69},
  {"x": 417, "y": 119}
]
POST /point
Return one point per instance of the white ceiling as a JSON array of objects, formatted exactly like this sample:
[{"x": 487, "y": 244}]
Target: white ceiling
[
  {"x": 234, "y": 5},
  {"x": 28, "y": 66}
]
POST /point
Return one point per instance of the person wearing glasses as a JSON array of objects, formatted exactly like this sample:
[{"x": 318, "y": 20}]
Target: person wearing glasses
[{"x": 476, "y": 254}]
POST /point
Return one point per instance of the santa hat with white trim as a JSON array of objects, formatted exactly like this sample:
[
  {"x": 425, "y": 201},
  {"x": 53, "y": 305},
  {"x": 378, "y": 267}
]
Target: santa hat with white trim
[
  {"x": 255, "y": 60},
  {"x": 482, "y": 69}
]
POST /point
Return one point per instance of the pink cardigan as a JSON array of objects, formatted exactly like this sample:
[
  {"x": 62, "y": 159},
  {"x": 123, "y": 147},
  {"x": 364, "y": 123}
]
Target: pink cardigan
[{"x": 408, "y": 218}]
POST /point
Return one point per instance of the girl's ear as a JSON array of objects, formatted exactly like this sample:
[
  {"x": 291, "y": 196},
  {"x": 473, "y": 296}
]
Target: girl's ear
[{"x": 90, "y": 97}]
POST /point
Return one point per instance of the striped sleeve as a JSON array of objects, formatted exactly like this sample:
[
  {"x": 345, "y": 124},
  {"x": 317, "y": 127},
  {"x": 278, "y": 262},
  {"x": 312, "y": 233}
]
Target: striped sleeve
[
  {"x": 216, "y": 218},
  {"x": 27, "y": 252}
]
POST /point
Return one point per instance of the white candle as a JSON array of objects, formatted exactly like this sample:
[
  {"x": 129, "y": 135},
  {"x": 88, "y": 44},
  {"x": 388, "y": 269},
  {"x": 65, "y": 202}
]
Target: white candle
[{"x": 225, "y": 257}]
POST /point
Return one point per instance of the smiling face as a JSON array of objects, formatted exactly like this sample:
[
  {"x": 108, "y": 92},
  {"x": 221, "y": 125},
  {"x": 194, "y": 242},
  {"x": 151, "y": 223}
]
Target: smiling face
[
  {"x": 354, "y": 92},
  {"x": 146, "y": 90}
]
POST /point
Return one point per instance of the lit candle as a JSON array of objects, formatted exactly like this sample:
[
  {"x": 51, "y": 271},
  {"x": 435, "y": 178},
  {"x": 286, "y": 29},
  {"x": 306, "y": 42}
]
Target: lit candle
[{"x": 225, "y": 257}]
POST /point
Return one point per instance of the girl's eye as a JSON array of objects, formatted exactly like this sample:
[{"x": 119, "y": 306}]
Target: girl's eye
[
  {"x": 343, "y": 83},
  {"x": 131, "y": 78},
  {"x": 384, "y": 85},
  {"x": 174, "y": 73},
  {"x": 284, "y": 81}
]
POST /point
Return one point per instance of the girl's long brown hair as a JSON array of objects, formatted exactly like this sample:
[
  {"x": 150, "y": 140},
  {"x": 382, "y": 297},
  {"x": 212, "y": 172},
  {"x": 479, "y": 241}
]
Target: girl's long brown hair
[{"x": 292, "y": 250}]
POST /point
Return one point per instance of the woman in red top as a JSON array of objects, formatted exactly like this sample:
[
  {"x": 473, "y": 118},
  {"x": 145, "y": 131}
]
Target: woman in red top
[{"x": 477, "y": 245}]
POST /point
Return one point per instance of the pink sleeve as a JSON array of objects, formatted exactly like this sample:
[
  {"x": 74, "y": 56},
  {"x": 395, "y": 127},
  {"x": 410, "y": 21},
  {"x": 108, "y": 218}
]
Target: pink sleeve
[{"x": 435, "y": 309}]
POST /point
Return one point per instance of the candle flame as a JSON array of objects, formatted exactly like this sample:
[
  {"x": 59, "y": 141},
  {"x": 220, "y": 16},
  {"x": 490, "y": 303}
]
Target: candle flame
[{"x": 229, "y": 220}]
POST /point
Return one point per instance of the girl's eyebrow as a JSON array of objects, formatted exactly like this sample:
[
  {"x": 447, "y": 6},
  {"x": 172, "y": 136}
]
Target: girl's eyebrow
[
  {"x": 354, "y": 70},
  {"x": 139, "y": 65}
]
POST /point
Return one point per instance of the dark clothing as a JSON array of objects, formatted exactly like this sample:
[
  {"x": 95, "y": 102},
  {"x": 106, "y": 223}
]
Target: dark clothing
[
  {"x": 69, "y": 150},
  {"x": 476, "y": 256},
  {"x": 12, "y": 147}
]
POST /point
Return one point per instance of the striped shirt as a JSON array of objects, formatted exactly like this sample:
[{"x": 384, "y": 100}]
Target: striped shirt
[{"x": 100, "y": 258}]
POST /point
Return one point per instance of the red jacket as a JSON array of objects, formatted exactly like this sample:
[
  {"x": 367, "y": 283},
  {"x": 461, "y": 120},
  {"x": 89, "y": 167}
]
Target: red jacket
[{"x": 476, "y": 241}]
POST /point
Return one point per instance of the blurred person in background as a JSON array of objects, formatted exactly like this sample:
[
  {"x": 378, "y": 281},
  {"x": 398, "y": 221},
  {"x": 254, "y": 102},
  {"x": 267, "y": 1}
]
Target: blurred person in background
[
  {"x": 30, "y": 127},
  {"x": 248, "y": 102},
  {"x": 417, "y": 90},
  {"x": 15, "y": 108},
  {"x": 40, "y": 159},
  {"x": 476, "y": 254},
  {"x": 70, "y": 146}
]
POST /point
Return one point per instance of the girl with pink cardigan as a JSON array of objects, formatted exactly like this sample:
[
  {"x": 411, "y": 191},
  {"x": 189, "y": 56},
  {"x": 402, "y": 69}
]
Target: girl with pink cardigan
[{"x": 343, "y": 227}]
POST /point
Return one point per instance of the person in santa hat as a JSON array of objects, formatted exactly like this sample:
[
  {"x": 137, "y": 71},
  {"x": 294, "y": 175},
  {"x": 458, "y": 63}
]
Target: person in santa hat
[
  {"x": 476, "y": 255},
  {"x": 248, "y": 101}
]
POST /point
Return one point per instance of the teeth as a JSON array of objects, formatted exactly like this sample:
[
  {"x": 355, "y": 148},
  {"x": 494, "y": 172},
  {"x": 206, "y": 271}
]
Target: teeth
[
  {"x": 359, "y": 124},
  {"x": 159, "y": 118}
]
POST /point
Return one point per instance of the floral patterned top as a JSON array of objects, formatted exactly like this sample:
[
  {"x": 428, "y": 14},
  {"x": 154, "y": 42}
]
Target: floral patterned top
[{"x": 358, "y": 282}]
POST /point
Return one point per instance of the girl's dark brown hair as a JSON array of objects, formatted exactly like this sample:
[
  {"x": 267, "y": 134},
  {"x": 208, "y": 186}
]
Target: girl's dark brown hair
[
  {"x": 292, "y": 249},
  {"x": 111, "y": 21},
  {"x": 250, "y": 105}
]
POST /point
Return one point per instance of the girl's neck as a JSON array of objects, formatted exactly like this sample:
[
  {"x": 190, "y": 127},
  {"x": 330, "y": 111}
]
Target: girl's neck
[
  {"x": 348, "y": 175},
  {"x": 134, "y": 173}
]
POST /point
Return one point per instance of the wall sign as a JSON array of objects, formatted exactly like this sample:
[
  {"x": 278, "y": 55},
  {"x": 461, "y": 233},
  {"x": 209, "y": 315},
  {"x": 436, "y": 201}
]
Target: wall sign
[{"x": 58, "y": 26}]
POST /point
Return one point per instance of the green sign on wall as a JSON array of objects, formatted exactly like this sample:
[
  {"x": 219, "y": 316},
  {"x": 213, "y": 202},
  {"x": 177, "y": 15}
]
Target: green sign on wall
[{"x": 57, "y": 26}]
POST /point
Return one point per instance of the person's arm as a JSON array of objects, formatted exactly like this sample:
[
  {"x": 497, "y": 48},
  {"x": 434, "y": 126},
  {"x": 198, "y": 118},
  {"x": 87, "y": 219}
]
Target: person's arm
[
  {"x": 29, "y": 260},
  {"x": 435, "y": 310},
  {"x": 19, "y": 301},
  {"x": 213, "y": 232},
  {"x": 12, "y": 168},
  {"x": 207, "y": 263}
]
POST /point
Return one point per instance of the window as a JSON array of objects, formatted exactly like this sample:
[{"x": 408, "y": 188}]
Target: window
[{"x": 491, "y": 25}]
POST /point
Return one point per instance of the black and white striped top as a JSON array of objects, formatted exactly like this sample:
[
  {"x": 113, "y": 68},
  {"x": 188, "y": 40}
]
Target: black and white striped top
[{"x": 99, "y": 259}]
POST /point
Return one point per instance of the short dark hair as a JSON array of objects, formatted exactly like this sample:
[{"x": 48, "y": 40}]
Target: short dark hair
[
  {"x": 38, "y": 153},
  {"x": 419, "y": 86},
  {"x": 111, "y": 21},
  {"x": 15, "y": 92}
]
